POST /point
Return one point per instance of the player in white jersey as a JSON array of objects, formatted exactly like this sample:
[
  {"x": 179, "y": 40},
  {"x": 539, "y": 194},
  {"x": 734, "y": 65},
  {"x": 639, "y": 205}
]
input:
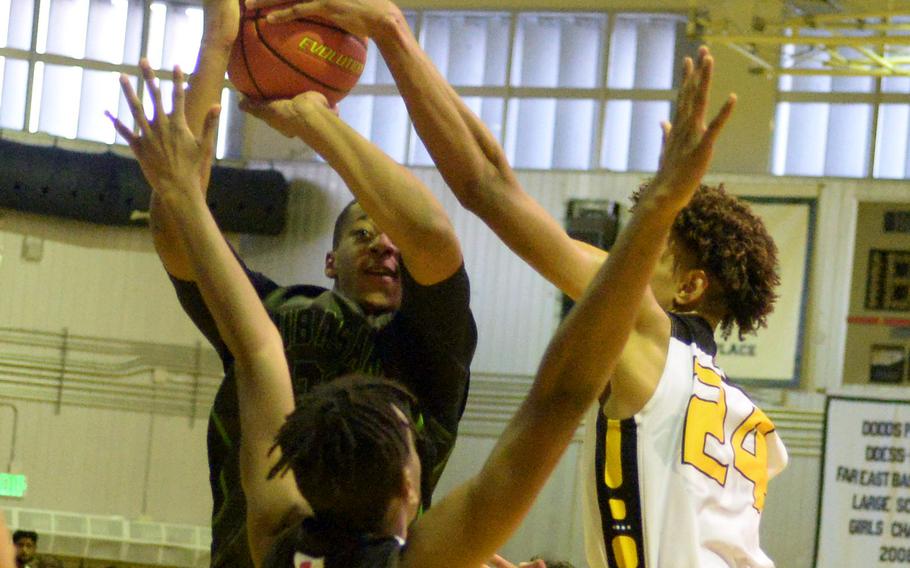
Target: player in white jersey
[
  {"x": 719, "y": 267},
  {"x": 683, "y": 482}
]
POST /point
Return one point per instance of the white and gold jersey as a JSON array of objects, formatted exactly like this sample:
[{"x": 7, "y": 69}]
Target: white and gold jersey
[{"x": 682, "y": 483}]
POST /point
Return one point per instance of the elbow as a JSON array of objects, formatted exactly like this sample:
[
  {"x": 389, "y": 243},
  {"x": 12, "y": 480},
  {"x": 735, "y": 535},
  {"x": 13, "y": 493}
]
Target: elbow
[{"x": 478, "y": 192}]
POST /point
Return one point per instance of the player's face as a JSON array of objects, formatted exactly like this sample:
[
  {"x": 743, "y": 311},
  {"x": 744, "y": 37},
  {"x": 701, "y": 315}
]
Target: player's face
[
  {"x": 366, "y": 264},
  {"x": 25, "y": 550}
]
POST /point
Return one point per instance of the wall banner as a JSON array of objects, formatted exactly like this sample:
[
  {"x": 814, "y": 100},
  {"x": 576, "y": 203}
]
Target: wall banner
[
  {"x": 773, "y": 356},
  {"x": 864, "y": 495}
]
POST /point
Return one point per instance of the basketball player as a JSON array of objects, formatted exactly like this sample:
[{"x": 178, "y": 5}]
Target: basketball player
[
  {"x": 708, "y": 473},
  {"x": 399, "y": 306},
  {"x": 350, "y": 443}
]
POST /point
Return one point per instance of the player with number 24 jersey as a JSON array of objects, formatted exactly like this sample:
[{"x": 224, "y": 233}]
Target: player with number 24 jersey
[{"x": 683, "y": 482}]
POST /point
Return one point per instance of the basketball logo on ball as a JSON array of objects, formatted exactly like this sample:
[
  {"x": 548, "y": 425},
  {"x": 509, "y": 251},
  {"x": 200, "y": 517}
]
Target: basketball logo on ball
[{"x": 280, "y": 61}]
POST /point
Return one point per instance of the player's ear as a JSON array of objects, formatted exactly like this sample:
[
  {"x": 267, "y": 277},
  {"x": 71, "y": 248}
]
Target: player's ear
[
  {"x": 330, "y": 270},
  {"x": 692, "y": 288}
]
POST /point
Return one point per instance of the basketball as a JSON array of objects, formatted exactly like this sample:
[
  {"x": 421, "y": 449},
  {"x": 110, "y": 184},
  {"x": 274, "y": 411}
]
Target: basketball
[{"x": 279, "y": 61}]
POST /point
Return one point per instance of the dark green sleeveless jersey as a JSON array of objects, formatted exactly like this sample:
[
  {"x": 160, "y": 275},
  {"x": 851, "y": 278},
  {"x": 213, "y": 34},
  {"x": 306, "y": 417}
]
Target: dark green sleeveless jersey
[{"x": 427, "y": 345}]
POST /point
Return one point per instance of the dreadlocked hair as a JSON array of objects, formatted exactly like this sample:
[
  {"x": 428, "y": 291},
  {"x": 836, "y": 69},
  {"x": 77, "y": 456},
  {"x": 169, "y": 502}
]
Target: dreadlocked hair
[
  {"x": 347, "y": 447},
  {"x": 722, "y": 236}
]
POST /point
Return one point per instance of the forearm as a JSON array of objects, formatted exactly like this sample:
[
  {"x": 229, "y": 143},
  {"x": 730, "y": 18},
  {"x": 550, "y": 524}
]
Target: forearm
[
  {"x": 586, "y": 347},
  {"x": 400, "y": 204},
  {"x": 168, "y": 245},
  {"x": 207, "y": 81},
  {"x": 474, "y": 165},
  {"x": 7, "y": 554},
  {"x": 237, "y": 309},
  {"x": 436, "y": 110}
]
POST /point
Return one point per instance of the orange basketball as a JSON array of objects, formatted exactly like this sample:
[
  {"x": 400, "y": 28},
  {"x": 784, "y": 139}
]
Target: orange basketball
[{"x": 278, "y": 61}]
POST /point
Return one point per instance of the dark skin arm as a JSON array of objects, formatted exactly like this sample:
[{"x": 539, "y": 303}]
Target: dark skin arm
[{"x": 169, "y": 153}]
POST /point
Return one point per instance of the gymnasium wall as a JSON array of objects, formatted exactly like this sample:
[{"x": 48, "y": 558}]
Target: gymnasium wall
[{"x": 142, "y": 455}]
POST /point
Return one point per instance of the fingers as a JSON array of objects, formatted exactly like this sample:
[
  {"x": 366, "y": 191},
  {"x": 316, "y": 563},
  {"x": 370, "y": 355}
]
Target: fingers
[
  {"x": 683, "y": 99},
  {"x": 317, "y": 98},
  {"x": 294, "y": 12},
  {"x": 705, "y": 70},
  {"x": 719, "y": 121},
  {"x": 122, "y": 129},
  {"x": 255, "y": 108},
  {"x": 153, "y": 90},
  {"x": 178, "y": 97},
  {"x": 256, "y": 4},
  {"x": 132, "y": 100},
  {"x": 499, "y": 562}
]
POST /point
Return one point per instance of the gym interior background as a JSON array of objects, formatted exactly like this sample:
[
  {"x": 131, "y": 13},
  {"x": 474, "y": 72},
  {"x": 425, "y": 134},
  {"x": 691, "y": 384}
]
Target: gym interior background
[{"x": 106, "y": 385}]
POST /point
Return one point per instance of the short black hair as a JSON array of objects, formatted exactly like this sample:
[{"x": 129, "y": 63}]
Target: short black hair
[
  {"x": 347, "y": 448},
  {"x": 340, "y": 222},
  {"x": 20, "y": 534}
]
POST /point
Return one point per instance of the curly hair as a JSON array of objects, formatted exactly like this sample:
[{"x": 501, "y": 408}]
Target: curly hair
[
  {"x": 347, "y": 448},
  {"x": 722, "y": 236}
]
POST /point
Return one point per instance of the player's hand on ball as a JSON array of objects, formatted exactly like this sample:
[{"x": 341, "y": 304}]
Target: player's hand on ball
[
  {"x": 287, "y": 116},
  {"x": 172, "y": 158},
  {"x": 359, "y": 17}
]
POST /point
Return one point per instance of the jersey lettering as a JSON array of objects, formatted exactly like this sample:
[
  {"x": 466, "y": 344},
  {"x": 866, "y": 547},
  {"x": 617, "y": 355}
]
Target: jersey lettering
[
  {"x": 303, "y": 561},
  {"x": 705, "y": 444}
]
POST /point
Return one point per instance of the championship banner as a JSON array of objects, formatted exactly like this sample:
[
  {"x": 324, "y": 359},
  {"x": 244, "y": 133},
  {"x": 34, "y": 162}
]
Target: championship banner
[
  {"x": 772, "y": 357},
  {"x": 864, "y": 498}
]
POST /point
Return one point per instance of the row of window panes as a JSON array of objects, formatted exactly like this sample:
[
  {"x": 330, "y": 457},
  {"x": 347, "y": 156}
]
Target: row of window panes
[
  {"x": 105, "y": 30},
  {"x": 835, "y": 139},
  {"x": 553, "y": 133},
  {"x": 821, "y": 139},
  {"x": 471, "y": 49},
  {"x": 558, "y": 133}
]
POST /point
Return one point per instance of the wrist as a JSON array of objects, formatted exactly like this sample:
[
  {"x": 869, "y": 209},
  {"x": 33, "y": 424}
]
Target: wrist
[
  {"x": 390, "y": 30},
  {"x": 218, "y": 37},
  {"x": 174, "y": 194}
]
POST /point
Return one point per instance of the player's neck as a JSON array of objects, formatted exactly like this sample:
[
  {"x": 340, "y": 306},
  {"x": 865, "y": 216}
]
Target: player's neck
[{"x": 712, "y": 320}]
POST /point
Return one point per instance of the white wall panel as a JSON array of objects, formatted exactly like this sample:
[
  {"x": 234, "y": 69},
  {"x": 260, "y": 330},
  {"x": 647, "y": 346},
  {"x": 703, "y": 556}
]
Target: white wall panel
[
  {"x": 110, "y": 462},
  {"x": 94, "y": 280}
]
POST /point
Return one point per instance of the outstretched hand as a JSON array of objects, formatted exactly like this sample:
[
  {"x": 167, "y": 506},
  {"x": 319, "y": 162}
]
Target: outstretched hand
[
  {"x": 287, "y": 116},
  {"x": 359, "y": 17},
  {"x": 688, "y": 143},
  {"x": 172, "y": 158}
]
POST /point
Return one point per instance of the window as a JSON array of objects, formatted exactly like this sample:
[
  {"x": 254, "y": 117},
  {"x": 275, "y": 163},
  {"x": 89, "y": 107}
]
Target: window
[
  {"x": 559, "y": 90},
  {"x": 59, "y": 66},
  {"x": 568, "y": 90},
  {"x": 846, "y": 121}
]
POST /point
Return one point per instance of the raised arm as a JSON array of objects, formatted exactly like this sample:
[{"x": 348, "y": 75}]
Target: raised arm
[
  {"x": 472, "y": 522},
  {"x": 7, "y": 553},
  {"x": 221, "y": 22},
  {"x": 400, "y": 204},
  {"x": 467, "y": 155},
  {"x": 169, "y": 153}
]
